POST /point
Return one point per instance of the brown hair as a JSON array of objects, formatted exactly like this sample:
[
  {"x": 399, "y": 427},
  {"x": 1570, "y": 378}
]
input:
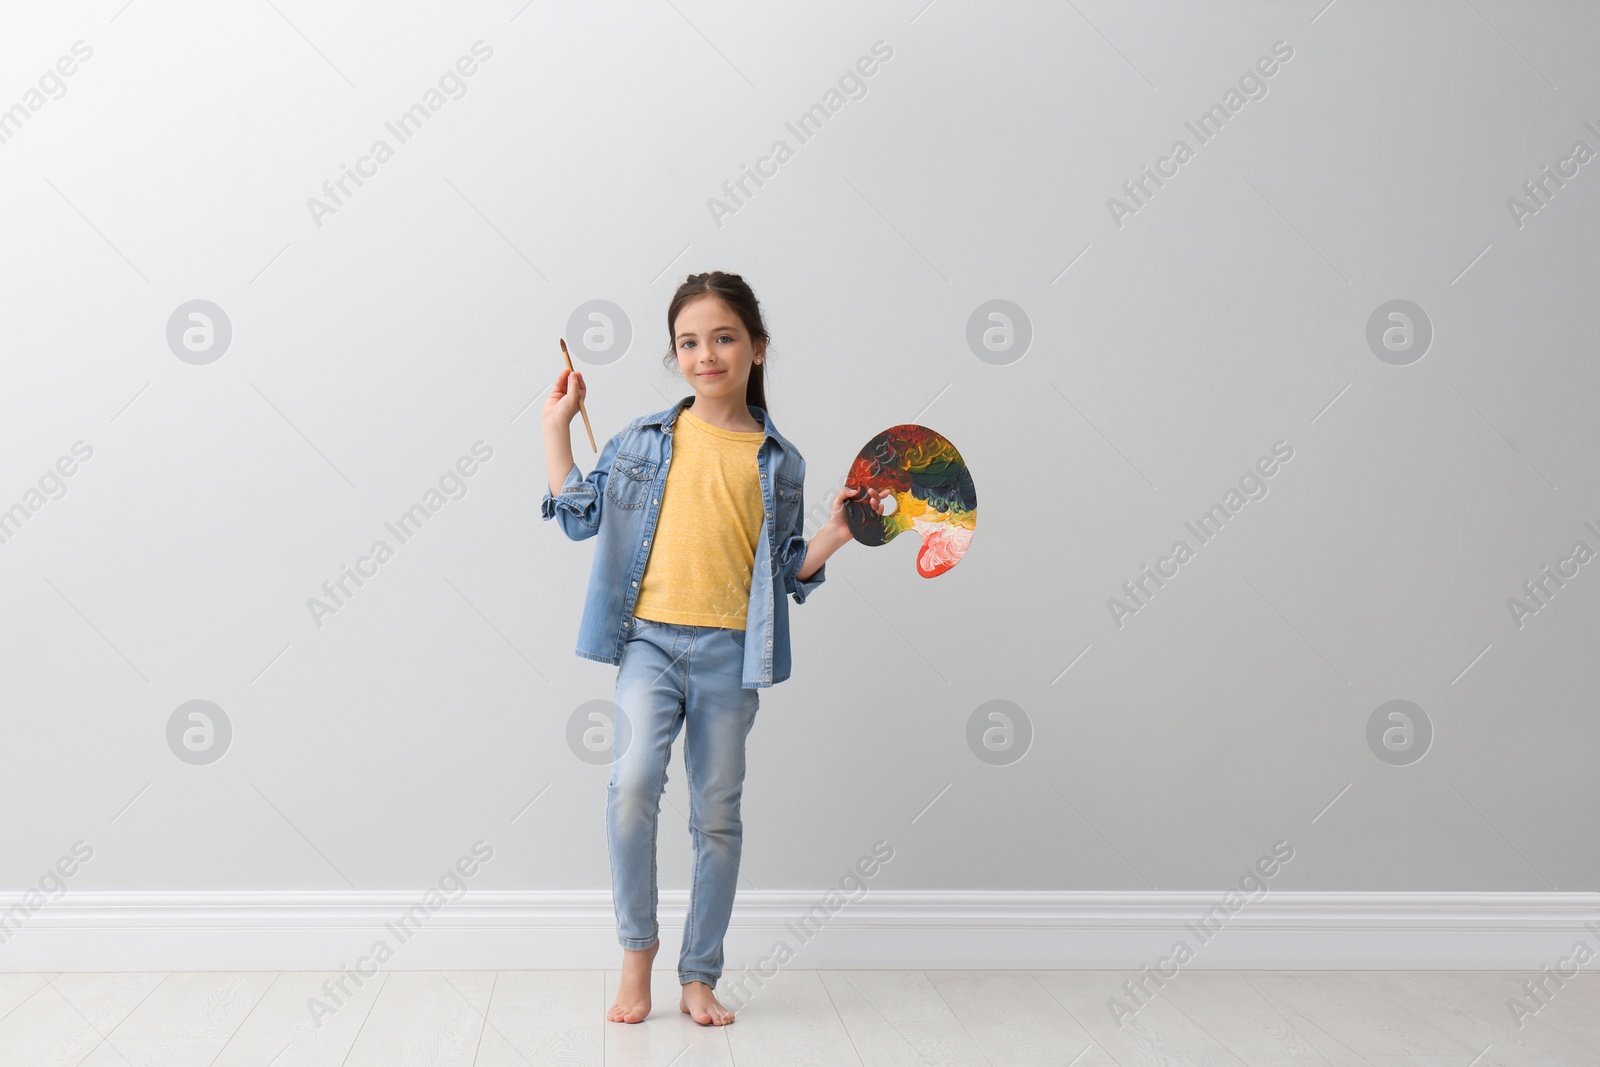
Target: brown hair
[{"x": 736, "y": 293}]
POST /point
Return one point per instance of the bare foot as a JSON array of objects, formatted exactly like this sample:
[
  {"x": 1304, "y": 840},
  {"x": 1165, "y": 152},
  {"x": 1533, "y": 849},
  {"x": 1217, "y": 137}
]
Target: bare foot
[
  {"x": 701, "y": 1005},
  {"x": 633, "y": 992}
]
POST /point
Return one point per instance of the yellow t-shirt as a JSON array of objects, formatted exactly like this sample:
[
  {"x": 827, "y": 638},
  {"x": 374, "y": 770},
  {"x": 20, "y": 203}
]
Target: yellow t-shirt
[{"x": 698, "y": 571}]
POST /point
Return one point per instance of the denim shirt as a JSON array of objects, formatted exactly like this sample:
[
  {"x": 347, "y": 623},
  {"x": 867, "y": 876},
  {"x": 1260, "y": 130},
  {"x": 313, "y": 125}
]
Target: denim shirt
[{"x": 620, "y": 501}]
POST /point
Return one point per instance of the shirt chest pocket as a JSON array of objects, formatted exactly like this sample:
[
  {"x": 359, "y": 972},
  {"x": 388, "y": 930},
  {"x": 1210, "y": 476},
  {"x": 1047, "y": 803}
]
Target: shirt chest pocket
[
  {"x": 628, "y": 485},
  {"x": 790, "y": 495}
]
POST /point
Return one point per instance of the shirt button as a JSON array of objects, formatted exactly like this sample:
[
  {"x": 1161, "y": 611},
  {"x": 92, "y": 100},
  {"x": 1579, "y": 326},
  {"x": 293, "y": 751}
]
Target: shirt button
[
  {"x": 636, "y": 585},
  {"x": 656, "y": 501}
]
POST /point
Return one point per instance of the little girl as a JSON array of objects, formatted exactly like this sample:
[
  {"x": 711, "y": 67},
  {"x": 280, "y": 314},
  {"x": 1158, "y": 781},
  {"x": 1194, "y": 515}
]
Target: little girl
[{"x": 693, "y": 565}]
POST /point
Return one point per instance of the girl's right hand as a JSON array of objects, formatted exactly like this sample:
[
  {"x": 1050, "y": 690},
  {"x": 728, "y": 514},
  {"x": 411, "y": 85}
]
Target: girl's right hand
[{"x": 561, "y": 406}]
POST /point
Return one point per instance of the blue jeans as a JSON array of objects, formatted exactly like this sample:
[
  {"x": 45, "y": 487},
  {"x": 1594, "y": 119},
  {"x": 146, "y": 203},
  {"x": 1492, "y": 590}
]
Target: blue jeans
[{"x": 676, "y": 677}]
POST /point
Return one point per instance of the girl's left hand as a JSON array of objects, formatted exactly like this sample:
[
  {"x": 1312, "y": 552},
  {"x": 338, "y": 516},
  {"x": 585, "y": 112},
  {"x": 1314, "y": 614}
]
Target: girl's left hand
[{"x": 837, "y": 525}]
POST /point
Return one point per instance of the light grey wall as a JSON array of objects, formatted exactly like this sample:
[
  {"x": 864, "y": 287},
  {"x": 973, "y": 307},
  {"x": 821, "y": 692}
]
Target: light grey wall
[{"x": 1172, "y": 346}]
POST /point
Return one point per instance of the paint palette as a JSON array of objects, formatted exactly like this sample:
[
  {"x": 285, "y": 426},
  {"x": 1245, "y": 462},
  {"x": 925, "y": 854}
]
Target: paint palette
[{"x": 932, "y": 492}]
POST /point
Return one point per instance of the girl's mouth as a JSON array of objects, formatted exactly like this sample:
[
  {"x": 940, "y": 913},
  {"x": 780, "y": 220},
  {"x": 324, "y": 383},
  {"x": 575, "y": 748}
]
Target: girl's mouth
[{"x": 710, "y": 374}]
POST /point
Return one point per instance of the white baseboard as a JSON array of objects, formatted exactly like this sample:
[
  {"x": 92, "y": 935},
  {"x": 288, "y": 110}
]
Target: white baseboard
[{"x": 510, "y": 930}]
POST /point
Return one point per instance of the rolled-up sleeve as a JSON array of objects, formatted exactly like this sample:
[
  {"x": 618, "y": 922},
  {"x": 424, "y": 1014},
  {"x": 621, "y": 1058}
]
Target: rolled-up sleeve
[
  {"x": 580, "y": 504},
  {"x": 797, "y": 587}
]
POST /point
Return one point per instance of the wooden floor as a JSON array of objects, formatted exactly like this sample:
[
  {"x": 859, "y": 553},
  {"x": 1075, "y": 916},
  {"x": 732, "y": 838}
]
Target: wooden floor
[{"x": 828, "y": 1018}]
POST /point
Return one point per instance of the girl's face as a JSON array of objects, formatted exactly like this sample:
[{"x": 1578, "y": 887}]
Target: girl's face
[{"x": 714, "y": 350}]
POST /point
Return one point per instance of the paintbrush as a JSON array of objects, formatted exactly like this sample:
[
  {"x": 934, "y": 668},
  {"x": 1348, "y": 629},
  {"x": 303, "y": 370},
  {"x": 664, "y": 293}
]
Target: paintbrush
[{"x": 590, "y": 430}]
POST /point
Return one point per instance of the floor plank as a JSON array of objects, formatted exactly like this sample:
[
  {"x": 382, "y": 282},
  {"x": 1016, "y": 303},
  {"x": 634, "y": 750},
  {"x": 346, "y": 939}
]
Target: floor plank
[
  {"x": 194, "y": 1006},
  {"x": 1015, "y": 1018},
  {"x": 1266, "y": 1040},
  {"x": 46, "y": 1031},
  {"x": 545, "y": 1048},
  {"x": 290, "y": 1027},
  {"x": 425, "y": 1019},
  {"x": 1368, "y": 1023},
  {"x": 172, "y": 1020},
  {"x": 1157, "y": 1035},
  {"x": 105, "y": 1000},
  {"x": 1475, "y": 1005},
  {"x": 788, "y": 1021},
  {"x": 1336, "y": 1052},
  {"x": 899, "y": 1019},
  {"x": 16, "y": 988}
]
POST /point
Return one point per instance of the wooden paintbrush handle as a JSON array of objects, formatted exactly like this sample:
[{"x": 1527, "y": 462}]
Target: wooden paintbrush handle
[{"x": 581, "y": 409}]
